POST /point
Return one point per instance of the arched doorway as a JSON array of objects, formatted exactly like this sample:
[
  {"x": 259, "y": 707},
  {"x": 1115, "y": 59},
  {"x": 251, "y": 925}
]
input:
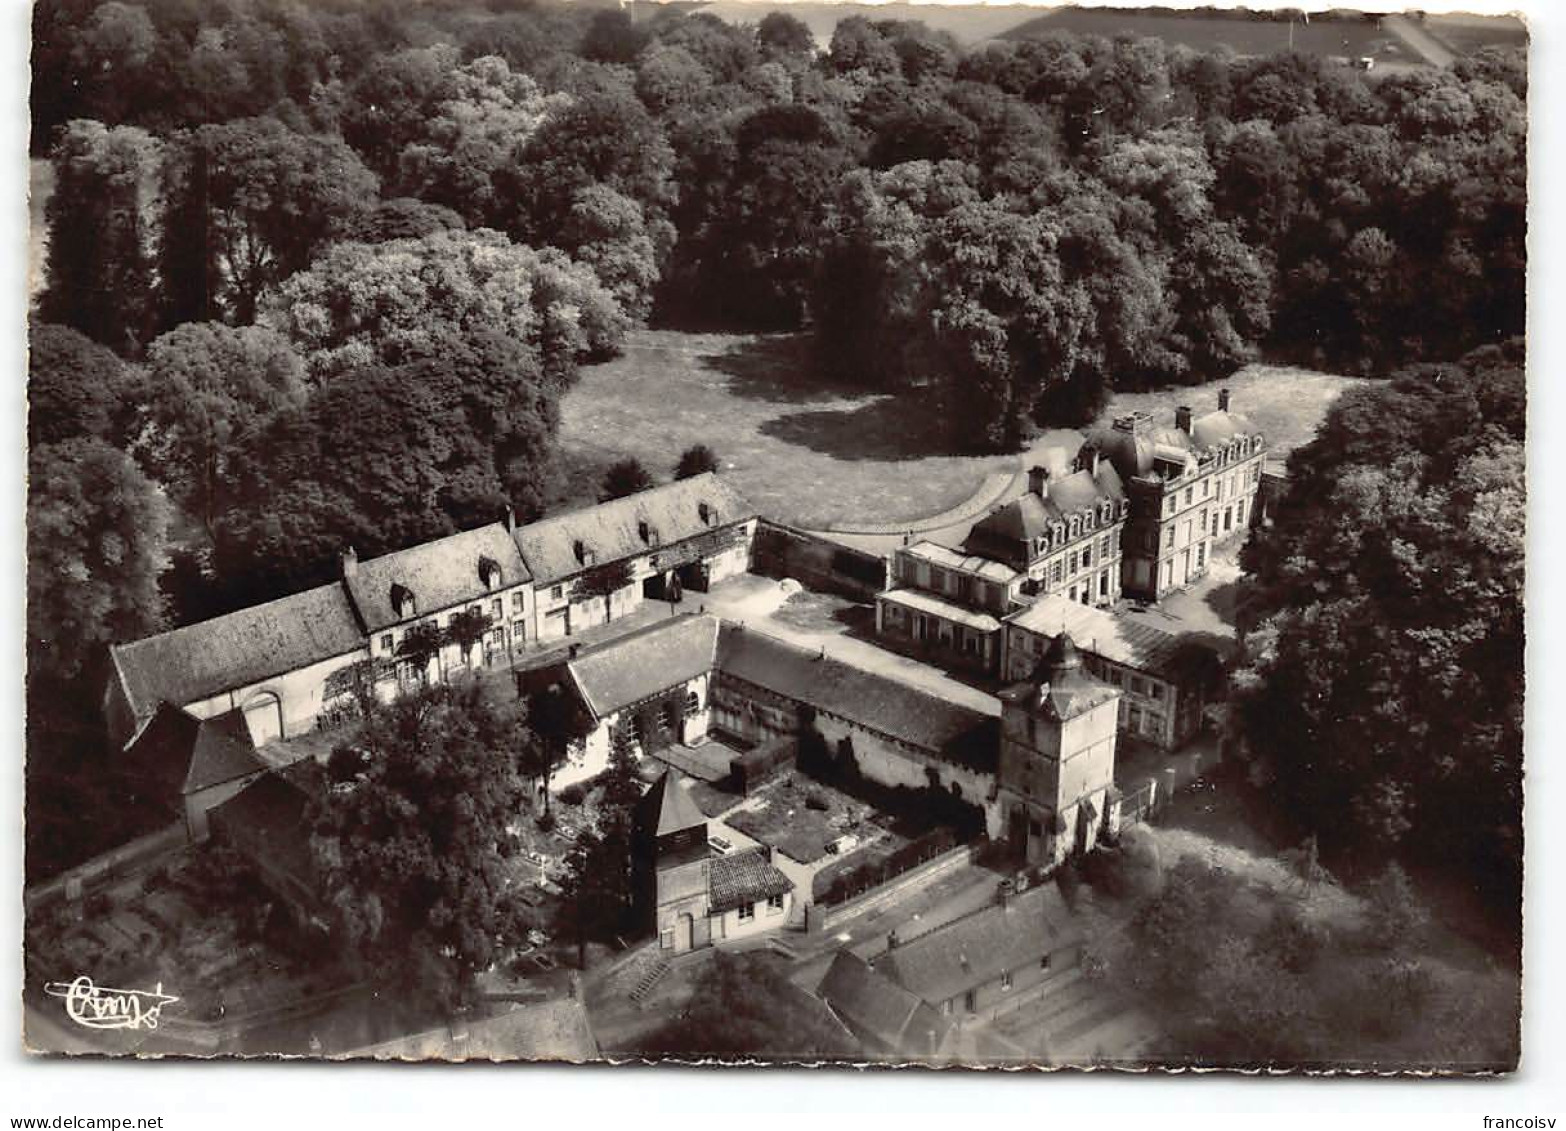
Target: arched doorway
[{"x": 264, "y": 717}]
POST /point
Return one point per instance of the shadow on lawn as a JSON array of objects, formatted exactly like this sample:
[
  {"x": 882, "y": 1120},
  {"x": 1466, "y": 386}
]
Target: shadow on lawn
[
  {"x": 777, "y": 368},
  {"x": 883, "y": 429}
]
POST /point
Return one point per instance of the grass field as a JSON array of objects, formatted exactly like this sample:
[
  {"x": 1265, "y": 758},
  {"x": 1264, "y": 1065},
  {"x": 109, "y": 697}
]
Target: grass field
[
  {"x": 1350, "y": 37},
  {"x": 1465, "y": 34},
  {"x": 817, "y": 455}
]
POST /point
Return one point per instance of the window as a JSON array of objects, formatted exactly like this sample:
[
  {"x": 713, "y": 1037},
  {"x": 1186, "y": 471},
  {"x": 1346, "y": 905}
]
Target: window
[
  {"x": 1005, "y": 979},
  {"x": 1073, "y": 566},
  {"x": 946, "y": 1007},
  {"x": 1044, "y": 963},
  {"x": 1188, "y": 492},
  {"x": 386, "y": 643},
  {"x": 496, "y": 609},
  {"x": 970, "y": 1002},
  {"x": 1155, "y": 689},
  {"x": 1137, "y": 686},
  {"x": 774, "y": 905},
  {"x": 554, "y": 594},
  {"x": 519, "y": 630},
  {"x": 1087, "y": 558},
  {"x": 518, "y": 600},
  {"x": 1055, "y": 574},
  {"x": 1103, "y": 584},
  {"x": 747, "y": 912}
]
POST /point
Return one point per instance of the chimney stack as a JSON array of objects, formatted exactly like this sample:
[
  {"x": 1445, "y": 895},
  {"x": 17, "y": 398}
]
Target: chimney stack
[
  {"x": 1038, "y": 479},
  {"x": 350, "y": 562},
  {"x": 1183, "y": 416},
  {"x": 1223, "y": 400},
  {"x": 1004, "y": 891},
  {"x": 891, "y": 941}
]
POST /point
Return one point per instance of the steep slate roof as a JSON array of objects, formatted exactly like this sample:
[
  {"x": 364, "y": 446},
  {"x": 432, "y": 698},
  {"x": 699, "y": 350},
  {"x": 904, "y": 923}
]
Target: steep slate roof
[
  {"x": 743, "y": 878},
  {"x": 949, "y": 730},
  {"x": 439, "y": 574},
  {"x": 201, "y": 660},
  {"x": 878, "y": 1009},
  {"x": 1116, "y": 638},
  {"x": 612, "y": 530},
  {"x": 1217, "y": 429},
  {"x": 668, "y": 807},
  {"x": 223, "y": 751},
  {"x": 158, "y": 757},
  {"x": 1060, "y": 688},
  {"x": 1010, "y": 530},
  {"x": 643, "y": 663},
  {"x": 979, "y": 947}
]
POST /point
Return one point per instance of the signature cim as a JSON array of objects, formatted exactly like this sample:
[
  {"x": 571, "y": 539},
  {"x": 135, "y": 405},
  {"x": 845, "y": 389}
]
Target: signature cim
[{"x": 101, "y": 1007}]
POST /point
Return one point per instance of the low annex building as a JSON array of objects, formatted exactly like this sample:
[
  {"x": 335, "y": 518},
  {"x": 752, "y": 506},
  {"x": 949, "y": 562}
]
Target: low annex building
[
  {"x": 972, "y": 966},
  {"x": 191, "y": 765},
  {"x": 691, "y": 896}
]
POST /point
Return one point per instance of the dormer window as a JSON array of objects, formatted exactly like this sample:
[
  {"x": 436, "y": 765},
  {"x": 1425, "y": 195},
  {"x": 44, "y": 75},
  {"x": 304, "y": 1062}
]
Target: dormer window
[
  {"x": 490, "y": 573},
  {"x": 1076, "y": 526},
  {"x": 649, "y": 535},
  {"x": 584, "y": 553},
  {"x": 708, "y": 513},
  {"x": 403, "y": 603},
  {"x": 1058, "y": 533}
]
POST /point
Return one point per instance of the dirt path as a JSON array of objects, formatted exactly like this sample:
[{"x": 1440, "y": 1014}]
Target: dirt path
[{"x": 1418, "y": 40}]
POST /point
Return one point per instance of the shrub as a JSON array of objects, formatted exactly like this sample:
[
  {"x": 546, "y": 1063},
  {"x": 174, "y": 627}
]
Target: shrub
[
  {"x": 1291, "y": 939},
  {"x": 546, "y": 822},
  {"x": 573, "y": 794}
]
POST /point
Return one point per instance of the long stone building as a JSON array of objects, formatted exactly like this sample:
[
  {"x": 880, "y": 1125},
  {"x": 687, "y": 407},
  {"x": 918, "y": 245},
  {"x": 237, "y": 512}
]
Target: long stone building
[{"x": 286, "y": 664}]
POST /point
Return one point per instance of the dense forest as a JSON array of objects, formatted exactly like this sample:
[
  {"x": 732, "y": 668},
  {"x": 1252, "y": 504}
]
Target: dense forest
[{"x": 319, "y": 275}]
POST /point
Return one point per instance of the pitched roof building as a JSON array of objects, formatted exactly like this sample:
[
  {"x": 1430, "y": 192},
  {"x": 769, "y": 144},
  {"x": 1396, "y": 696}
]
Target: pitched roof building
[
  {"x": 743, "y": 878},
  {"x": 972, "y": 964},
  {"x": 886, "y": 1017},
  {"x": 446, "y": 573},
  {"x": 569, "y": 544},
  {"x": 645, "y": 663}
]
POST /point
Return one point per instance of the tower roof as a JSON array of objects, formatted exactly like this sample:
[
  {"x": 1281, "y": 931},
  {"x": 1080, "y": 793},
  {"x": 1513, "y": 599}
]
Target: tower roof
[
  {"x": 667, "y": 807},
  {"x": 1060, "y": 688}
]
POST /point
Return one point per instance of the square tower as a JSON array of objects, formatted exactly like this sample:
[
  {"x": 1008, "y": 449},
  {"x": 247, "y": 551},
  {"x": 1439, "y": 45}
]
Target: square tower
[{"x": 1057, "y": 757}]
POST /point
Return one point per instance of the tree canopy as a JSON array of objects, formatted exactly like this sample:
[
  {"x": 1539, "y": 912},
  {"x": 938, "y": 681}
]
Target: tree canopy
[{"x": 414, "y": 849}]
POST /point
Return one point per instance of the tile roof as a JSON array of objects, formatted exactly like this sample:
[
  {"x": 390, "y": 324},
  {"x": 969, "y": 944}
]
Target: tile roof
[
  {"x": 936, "y": 607},
  {"x": 223, "y": 751},
  {"x": 613, "y": 530},
  {"x": 979, "y": 947},
  {"x": 743, "y": 878},
  {"x": 1009, "y": 531},
  {"x": 975, "y": 564},
  {"x": 1217, "y": 429},
  {"x": 948, "y": 730},
  {"x": 632, "y": 668},
  {"x": 158, "y": 757},
  {"x": 201, "y": 660},
  {"x": 875, "y": 1007},
  {"x": 1115, "y": 638},
  {"x": 439, "y": 574}
]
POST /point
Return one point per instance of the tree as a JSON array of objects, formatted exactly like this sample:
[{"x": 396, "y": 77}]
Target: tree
[
  {"x": 407, "y": 299},
  {"x": 744, "y": 1006},
  {"x": 698, "y": 459},
  {"x": 413, "y": 854},
  {"x": 206, "y": 383},
  {"x": 422, "y": 643},
  {"x": 467, "y": 630},
  {"x": 76, "y": 387},
  {"x": 558, "y": 721},
  {"x": 1383, "y": 686},
  {"x": 100, "y": 233},
  {"x": 781, "y": 34},
  {"x": 264, "y": 201},
  {"x": 624, "y": 477},
  {"x": 97, "y": 537}
]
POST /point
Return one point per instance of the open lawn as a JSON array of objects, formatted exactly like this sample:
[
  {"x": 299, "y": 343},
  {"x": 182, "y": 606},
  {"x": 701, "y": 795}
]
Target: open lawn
[
  {"x": 1202, "y": 31},
  {"x": 819, "y": 455}
]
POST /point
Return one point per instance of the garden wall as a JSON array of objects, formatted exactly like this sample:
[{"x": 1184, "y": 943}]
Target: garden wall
[{"x": 818, "y": 563}]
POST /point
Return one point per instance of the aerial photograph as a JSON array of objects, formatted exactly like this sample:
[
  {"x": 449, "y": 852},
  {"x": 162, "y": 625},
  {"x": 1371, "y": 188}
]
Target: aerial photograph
[{"x": 775, "y": 534}]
